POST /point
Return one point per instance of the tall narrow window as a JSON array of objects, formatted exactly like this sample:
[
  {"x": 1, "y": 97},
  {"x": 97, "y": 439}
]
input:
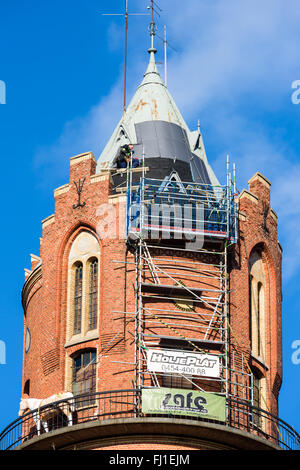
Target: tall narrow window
[
  {"x": 251, "y": 329},
  {"x": 256, "y": 391},
  {"x": 259, "y": 312},
  {"x": 27, "y": 387},
  {"x": 93, "y": 294},
  {"x": 257, "y": 306},
  {"x": 84, "y": 377},
  {"x": 256, "y": 399},
  {"x": 78, "y": 299}
]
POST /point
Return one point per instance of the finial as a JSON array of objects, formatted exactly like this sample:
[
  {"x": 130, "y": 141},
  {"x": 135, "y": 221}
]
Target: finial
[{"x": 152, "y": 28}]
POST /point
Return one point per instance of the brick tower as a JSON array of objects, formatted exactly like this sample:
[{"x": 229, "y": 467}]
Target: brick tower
[{"x": 152, "y": 316}]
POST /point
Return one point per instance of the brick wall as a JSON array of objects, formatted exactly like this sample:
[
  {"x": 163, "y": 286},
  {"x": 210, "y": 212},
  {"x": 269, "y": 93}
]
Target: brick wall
[{"x": 258, "y": 230}]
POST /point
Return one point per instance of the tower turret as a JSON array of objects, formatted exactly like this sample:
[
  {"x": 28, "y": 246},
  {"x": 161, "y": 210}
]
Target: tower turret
[
  {"x": 166, "y": 335},
  {"x": 154, "y": 125}
]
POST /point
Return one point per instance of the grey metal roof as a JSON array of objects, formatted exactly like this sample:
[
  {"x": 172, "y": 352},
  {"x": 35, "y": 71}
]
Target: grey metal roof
[{"x": 163, "y": 139}]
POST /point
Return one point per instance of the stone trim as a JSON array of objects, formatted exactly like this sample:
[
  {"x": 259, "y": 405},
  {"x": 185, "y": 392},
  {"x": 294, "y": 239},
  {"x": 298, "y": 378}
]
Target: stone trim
[
  {"x": 82, "y": 157},
  {"x": 262, "y": 179},
  {"x": 124, "y": 170},
  {"x": 123, "y": 189},
  {"x": 101, "y": 177},
  {"x": 48, "y": 220},
  {"x": 242, "y": 216},
  {"x": 116, "y": 199},
  {"x": 273, "y": 214},
  {"x": 245, "y": 193},
  {"x": 31, "y": 280},
  {"x": 35, "y": 257},
  {"x": 90, "y": 336},
  {"x": 61, "y": 190}
]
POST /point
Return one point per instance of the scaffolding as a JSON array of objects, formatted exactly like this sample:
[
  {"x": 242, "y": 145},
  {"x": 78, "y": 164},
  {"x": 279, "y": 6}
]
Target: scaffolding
[
  {"x": 180, "y": 234},
  {"x": 175, "y": 209}
]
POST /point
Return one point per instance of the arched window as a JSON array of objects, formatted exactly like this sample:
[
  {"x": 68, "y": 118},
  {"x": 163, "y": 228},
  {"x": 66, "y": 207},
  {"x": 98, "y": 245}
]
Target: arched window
[
  {"x": 83, "y": 288},
  {"x": 257, "y": 306},
  {"x": 258, "y": 334},
  {"x": 78, "y": 273}
]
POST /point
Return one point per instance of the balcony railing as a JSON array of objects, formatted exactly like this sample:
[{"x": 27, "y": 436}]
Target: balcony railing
[{"x": 127, "y": 404}]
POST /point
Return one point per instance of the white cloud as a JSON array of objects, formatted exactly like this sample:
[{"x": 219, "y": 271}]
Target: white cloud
[
  {"x": 237, "y": 61},
  {"x": 232, "y": 49}
]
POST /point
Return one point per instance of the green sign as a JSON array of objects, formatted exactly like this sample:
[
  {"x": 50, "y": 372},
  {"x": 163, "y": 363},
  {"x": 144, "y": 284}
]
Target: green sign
[{"x": 177, "y": 401}]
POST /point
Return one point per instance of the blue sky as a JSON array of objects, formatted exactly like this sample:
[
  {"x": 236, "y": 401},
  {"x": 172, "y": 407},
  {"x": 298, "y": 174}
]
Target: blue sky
[{"x": 62, "y": 63}]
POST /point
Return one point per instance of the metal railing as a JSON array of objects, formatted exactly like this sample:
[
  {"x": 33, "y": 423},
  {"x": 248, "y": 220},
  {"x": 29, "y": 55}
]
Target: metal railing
[{"x": 127, "y": 404}]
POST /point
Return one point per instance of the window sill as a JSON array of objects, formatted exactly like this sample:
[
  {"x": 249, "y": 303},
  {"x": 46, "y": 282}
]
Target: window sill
[{"x": 78, "y": 339}]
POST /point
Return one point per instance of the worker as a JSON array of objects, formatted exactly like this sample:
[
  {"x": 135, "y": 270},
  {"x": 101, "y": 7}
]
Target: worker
[{"x": 125, "y": 155}]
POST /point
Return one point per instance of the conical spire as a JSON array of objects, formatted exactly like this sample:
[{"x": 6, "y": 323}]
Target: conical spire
[
  {"x": 152, "y": 114},
  {"x": 152, "y": 75}
]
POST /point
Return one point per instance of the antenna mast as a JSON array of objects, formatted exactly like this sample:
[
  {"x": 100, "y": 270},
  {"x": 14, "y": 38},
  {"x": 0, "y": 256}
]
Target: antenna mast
[
  {"x": 126, "y": 14},
  {"x": 165, "y": 49},
  {"x": 125, "y": 53},
  {"x": 153, "y": 28}
]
